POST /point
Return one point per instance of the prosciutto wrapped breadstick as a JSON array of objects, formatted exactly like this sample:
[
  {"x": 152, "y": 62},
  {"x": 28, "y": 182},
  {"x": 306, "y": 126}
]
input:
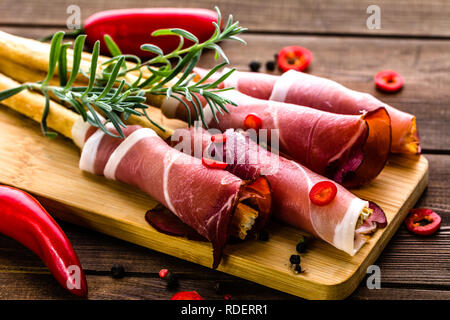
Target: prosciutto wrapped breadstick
[
  {"x": 342, "y": 223},
  {"x": 327, "y": 95},
  {"x": 350, "y": 149},
  {"x": 209, "y": 201}
]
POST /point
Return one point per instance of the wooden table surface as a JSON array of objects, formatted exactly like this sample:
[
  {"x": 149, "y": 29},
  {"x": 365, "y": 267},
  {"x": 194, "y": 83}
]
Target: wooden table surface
[{"x": 414, "y": 40}]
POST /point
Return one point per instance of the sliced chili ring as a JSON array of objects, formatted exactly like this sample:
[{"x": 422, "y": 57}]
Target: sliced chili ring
[
  {"x": 388, "y": 81},
  {"x": 187, "y": 295},
  {"x": 219, "y": 138},
  {"x": 213, "y": 164},
  {"x": 423, "y": 221},
  {"x": 322, "y": 193},
  {"x": 294, "y": 58},
  {"x": 252, "y": 121}
]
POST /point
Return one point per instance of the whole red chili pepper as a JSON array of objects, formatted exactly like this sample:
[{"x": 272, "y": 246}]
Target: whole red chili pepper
[
  {"x": 24, "y": 219},
  {"x": 130, "y": 28}
]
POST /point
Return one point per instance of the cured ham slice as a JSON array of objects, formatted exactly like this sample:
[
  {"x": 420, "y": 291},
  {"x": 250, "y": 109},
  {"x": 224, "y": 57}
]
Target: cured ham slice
[
  {"x": 327, "y": 95},
  {"x": 202, "y": 198},
  {"x": 350, "y": 149},
  {"x": 335, "y": 223}
]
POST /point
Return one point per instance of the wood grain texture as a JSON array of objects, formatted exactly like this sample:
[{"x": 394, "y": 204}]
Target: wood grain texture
[
  {"x": 403, "y": 17},
  {"x": 36, "y": 164}
]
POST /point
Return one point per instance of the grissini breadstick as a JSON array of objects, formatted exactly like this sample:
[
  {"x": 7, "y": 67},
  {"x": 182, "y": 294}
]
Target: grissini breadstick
[
  {"x": 35, "y": 54},
  {"x": 32, "y": 104},
  {"x": 23, "y": 74}
]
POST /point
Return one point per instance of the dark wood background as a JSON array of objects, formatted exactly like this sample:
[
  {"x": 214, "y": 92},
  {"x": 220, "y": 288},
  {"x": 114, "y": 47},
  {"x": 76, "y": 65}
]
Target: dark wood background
[{"x": 414, "y": 40}]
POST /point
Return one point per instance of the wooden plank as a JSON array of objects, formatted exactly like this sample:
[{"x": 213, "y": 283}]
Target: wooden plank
[
  {"x": 405, "y": 293},
  {"x": 425, "y": 65},
  {"x": 402, "y": 17},
  {"x": 37, "y": 165},
  {"x": 31, "y": 286}
]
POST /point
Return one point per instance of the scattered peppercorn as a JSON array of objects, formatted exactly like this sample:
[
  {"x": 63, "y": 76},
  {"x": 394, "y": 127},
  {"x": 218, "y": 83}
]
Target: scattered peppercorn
[
  {"x": 255, "y": 66},
  {"x": 294, "y": 259},
  {"x": 297, "y": 269},
  {"x": 263, "y": 235},
  {"x": 301, "y": 245},
  {"x": 227, "y": 297},
  {"x": 270, "y": 65},
  {"x": 117, "y": 271}
]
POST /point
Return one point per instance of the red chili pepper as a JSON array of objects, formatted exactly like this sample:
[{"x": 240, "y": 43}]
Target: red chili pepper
[
  {"x": 219, "y": 138},
  {"x": 24, "y": 219},
  {"x": 294, "y": 58},
  {"x": 252, "y": 121},
  {"x": 423, "y": 221},
  {"x": 186, "y": 295},
  {"x": 214, "y": 164},
  {"x": 322, "y": 193},
  {"x": 388, "y": 81},
  {"x": 130, "y": 28}
]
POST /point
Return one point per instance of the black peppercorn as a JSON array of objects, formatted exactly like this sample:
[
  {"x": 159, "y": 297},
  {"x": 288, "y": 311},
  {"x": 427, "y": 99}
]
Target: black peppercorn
[
  {"x": 254, "y": 66},
  {"x": 263, "y": 235},
  {"x": 270, "y": 65},
  {"x": 301, "y": 245},
  {"x": 297, "y": 268},
  {"x": 117, "y": 271},
  {"x": 294, "y": 259}
]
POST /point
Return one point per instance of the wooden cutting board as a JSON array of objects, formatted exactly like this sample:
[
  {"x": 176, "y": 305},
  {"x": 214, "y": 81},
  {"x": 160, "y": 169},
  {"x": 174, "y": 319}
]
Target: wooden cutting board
[{"x": 48, "y": 168}]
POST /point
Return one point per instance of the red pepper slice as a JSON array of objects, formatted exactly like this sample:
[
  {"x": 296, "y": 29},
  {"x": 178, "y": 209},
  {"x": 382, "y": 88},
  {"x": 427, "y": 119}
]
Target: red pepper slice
[
  {"x": 186, "y": 295},
  {"x": 423, "y": 221},
  {"x": 252, "y": 121},
  {"x": 214, "y": 164},
  {"x": 26, "y": 221},
  {"x": 219, "y": 138},
  {"x": 388, "y": 81},
  {"x": 322, "y": 193},
  {"x": 163, "y": 273},
  {"x": 294, "y": 58}
]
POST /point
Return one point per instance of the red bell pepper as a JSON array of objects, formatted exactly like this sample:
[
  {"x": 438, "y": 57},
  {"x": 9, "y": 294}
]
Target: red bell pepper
[
  {"x": 130, "y": 28},
  {"x": 24, "y": 219}
]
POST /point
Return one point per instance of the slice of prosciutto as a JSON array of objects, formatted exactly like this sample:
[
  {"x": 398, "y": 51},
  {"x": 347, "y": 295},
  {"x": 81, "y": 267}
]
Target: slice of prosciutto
[
  {"x": 334, "y": 223},
  {"x": 324, "y": 94},
  {"x": 202, "y": 198},
  {"x": 350, "y": 149}
]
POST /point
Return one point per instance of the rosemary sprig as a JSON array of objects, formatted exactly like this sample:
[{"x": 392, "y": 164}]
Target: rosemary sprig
[{"x": 109, "y": 94}]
